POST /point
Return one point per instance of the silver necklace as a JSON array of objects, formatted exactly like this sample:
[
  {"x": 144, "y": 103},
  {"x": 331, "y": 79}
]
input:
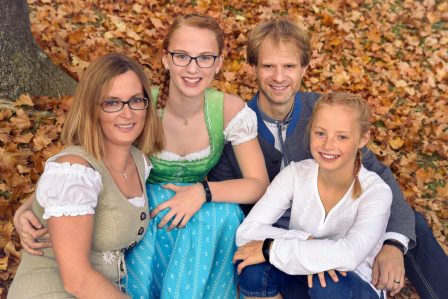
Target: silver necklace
[{"x": 122, "y": 172}]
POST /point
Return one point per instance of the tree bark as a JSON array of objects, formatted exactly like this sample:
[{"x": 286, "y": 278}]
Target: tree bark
[{"x": 24, "y": 67}]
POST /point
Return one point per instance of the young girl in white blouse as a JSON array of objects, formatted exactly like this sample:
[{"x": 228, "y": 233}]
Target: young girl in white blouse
[{"x": 338, "y": 219}]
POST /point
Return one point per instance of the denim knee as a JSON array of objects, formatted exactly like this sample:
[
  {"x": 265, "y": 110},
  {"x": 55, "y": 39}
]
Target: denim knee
[
  {"x": 349, "y": 287},
  {"x": 258, "y": 281}
]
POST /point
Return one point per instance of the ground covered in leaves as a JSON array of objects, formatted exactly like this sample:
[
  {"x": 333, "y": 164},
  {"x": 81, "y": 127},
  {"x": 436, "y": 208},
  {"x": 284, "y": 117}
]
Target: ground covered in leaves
[{"x": 393, "y": 52}]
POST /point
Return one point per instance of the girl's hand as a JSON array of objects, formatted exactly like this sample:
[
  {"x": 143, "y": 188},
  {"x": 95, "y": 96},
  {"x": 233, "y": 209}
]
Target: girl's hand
[
  {"x": 182, "y": 206},
  {"x": 33, "y": 235},
  {"x": 321, "y": 275},
  {"x": 249, "y": 254}
]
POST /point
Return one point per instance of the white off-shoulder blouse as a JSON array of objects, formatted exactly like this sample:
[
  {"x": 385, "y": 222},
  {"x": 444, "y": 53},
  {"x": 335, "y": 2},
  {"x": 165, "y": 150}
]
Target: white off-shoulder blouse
[
  {"x": 241, "y": 128},
  {"x": 66, "y": 189}
]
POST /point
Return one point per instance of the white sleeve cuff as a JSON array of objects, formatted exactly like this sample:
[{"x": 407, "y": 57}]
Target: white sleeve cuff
[
  {"x": 72, "y": 210},
  {"x": 399, "y": 237}
]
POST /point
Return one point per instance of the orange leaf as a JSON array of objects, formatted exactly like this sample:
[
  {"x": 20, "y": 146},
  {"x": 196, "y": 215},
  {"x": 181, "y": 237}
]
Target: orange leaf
[
  {"x": 24, "y": 100},
  {"x": 396, "y": 142},
  {"x": 21, "y": 120}
]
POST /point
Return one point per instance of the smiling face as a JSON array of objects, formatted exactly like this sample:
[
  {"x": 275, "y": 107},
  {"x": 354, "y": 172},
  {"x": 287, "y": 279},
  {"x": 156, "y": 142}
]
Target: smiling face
[
  {"x": 191, "y": 80},
  {"x": 123, "y": 127},
  {"x": 335, "y": 137},
  {"x": 279, "y": 74}
]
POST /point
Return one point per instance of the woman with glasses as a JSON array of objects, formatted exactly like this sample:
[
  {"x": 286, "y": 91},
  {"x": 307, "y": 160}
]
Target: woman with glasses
[
  {"x": 91, "y": 196},
  {"x": 188, "y": 248}
]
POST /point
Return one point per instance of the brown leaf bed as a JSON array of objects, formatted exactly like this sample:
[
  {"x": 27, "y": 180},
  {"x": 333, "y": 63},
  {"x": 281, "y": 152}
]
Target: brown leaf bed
[{"x": 391, "y": 52}]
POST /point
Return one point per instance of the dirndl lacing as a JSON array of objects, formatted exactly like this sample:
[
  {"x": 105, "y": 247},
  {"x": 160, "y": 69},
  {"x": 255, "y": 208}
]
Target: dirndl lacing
[{"x": 109, "y": 257}]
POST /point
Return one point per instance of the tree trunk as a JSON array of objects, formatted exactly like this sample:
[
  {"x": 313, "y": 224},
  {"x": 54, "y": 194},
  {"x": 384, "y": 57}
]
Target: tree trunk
[{"x": 24, "y": 68}]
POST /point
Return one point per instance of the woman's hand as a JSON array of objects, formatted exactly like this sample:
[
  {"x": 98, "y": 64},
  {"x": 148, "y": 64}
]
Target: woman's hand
[
  {"x": 33, "y": 235},
  {"x": 182, "y": 206},
  {"x": 249, "y": 254}
]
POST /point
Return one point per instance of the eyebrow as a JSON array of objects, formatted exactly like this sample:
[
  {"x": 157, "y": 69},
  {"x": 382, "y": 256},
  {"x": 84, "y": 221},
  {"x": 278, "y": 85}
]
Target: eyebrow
[
  {"x": 188, "y": 53},
  {"x": 323, "y": 129},
  {"x": 117, "y": 98}
]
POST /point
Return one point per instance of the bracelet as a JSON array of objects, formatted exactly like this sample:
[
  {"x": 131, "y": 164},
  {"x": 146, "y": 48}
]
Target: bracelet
[
  {"x": 266, "y": 247},
  {"x": 396, "y": 244},
  {"x": 208, "y": 192}
]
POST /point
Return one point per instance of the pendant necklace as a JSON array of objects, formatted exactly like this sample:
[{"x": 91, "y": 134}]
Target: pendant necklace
[
  {"x": 122, "y": 172},
  {"x": 178, "y": 114}
]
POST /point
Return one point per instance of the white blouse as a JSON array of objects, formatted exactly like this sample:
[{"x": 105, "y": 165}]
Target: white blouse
[
  {"x": 346, "y": 239},
  {"x": 66, "y": 189},
  {"x": 241, "y": 128}
]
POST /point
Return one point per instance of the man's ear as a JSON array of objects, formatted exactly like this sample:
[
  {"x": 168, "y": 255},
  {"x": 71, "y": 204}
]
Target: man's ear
[{"x": 303, "y": 71}]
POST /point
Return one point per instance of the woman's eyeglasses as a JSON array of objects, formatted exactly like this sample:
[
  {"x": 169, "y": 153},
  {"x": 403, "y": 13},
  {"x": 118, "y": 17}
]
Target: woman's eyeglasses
[
  {"x": 203, "y": 61},
  {"x": 115, "y": 105}
]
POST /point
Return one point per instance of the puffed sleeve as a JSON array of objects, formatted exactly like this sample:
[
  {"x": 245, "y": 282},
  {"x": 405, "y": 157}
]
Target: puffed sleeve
[
  {"x": 242, "y": 128},
  {"x": 66, "y": 189}
]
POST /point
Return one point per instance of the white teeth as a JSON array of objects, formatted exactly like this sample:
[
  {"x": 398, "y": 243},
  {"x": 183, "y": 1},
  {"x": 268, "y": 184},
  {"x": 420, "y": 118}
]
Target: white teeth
[
  {"x": 326, "y": 156},
  {"x": 279, "y": 87},
  {"x": 192, "y": 81},
  {"x": 125, "y": 126}
]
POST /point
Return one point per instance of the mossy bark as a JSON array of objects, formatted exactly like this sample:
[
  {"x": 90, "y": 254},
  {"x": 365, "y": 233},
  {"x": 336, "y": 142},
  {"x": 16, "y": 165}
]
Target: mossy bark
[{"x": 24, "y": 67}]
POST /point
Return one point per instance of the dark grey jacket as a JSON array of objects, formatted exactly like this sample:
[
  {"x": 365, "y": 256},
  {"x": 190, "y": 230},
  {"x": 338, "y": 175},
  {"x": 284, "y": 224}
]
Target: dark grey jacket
[{"x": 402, "y": 219}]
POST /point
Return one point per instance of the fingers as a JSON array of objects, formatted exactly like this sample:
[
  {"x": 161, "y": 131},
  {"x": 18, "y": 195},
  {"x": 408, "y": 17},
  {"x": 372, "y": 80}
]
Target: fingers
[
  {"x": 166, "y": 219},
  {"x": 175, "y": 222},
  {"x": 160, "y": 208},
  {"x": 375, "y": 273},
  {"x": 172, "y": 187},
  {"x": 28, "y": 217},
  {"x": 397, "y": 286},
  {"x": 322, "y": 281},
  {"x": 333, "y": 275},
  {"x": 310, "y": 280},
  {"x": 241, "y": 266},
  {"x": 30, "y": 250},
  {"x": 184, "y": 221}
]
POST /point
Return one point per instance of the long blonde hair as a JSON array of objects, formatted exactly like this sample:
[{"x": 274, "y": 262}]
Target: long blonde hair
[
  {"x": 191, "y": 20},
  {"x": 359, "y": 105},
  {"x": 81, "y": 126}
]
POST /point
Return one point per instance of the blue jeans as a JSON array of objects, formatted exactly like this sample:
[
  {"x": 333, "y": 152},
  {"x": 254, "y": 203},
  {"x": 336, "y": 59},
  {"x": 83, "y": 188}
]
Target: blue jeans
[
  {"x": 426, "y": 264},
  {"x": 264, "y": 280}
]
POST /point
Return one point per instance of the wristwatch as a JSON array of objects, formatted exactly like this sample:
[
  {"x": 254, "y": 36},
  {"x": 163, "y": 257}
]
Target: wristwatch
[
  {"x": 265, "y": 249},
  {"x": 396, "y": 244}
]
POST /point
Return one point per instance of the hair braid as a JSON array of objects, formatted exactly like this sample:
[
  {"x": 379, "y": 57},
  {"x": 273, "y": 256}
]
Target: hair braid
[
  {"x": 357, "y": 190},
  {"x": 164, "y": 89}
]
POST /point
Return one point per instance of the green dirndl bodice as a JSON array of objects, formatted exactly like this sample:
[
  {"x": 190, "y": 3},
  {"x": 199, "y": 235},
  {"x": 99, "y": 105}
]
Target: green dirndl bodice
[
  {"x": 195, "y": 171},
  {"x": 195, "y": 261}
]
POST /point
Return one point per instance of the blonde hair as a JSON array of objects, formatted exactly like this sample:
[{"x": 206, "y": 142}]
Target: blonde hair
[
  {"x": 359, "y": 105},
  {"x": 278, "y": 31},
  {"x": 81, "y": 126},
  {"x": 191, "y": 20}
]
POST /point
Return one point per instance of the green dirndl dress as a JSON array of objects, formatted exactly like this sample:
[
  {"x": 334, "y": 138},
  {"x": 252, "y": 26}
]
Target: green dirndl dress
[{"x": 195, "y": 261}]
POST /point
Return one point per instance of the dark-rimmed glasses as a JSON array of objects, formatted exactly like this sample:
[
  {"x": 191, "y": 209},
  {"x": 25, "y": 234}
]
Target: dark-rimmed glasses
[
  {"x": 115, "y": 105},
  {"x": 203, "y": 61}
]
